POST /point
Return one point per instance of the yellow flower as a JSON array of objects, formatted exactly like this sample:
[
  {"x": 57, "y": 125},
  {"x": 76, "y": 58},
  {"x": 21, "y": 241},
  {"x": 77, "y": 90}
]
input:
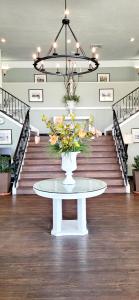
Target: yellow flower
[
  {"x": 76, "y": 144},
  {"x": 53, "y": 139},
  {"x": 82, "y": 133}
]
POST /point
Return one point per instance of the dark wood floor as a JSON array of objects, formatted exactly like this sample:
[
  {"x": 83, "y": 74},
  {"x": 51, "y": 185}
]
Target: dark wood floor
[{"x": 103, "y": 265}]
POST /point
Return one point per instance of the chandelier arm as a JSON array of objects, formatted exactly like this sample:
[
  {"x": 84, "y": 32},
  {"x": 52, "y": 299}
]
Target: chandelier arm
[
  {"x": 81, "y": 49},
  {"x": 55, "y": 39},
  {"x": 58, "y": 33}
]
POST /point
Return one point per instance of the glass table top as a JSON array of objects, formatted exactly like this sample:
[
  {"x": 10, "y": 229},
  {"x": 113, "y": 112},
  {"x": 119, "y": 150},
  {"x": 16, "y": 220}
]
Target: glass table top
[{"x": 82, "y": 185}]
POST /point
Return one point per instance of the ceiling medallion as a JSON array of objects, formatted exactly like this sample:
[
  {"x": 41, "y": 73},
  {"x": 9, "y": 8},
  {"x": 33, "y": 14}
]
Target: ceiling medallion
[{"x": 70, "y": 60}]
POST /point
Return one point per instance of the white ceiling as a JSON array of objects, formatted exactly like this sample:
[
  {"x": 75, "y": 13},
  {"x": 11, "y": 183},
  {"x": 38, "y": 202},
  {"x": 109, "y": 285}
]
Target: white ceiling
[{"x": 31, "y": 23}]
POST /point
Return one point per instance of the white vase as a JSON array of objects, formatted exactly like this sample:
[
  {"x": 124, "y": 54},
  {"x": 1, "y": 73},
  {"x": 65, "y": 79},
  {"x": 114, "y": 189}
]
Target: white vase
[
  {"x": 69, "y": 164},
  {"x": 70, "y": 105}
]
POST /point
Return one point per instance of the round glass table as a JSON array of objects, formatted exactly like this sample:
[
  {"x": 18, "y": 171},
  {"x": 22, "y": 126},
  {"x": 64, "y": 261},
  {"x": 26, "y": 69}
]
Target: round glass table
[{"x": 82, "y": 189}]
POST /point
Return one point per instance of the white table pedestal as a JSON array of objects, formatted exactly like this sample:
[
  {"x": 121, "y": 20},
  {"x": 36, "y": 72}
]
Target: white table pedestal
[
  {"x": 69, "y": 227},
  {"x": 83, "y": 189}
]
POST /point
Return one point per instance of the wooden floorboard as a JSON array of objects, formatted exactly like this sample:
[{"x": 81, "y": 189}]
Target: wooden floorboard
[{"x": 101, "y": 266}]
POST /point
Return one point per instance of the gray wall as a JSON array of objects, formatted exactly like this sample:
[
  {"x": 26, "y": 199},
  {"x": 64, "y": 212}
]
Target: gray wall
[
  {"x": 89, "y": 99},
  {"x": 8, "y": 124},
  {"x": 116, "y": 74}
]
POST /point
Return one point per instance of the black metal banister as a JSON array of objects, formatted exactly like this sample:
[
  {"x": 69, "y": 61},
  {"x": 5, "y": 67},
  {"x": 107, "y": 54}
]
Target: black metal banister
[
  {"x": 121, "y": 147},
  {"x": 14, "y": 97},
  {"x": 125, "y": 96},
  {"x": 127, "y": 106},
  {"x": 19, "y": 111},
  {"x": 20, "y": 149},
  {"x": 13, "y": 106}
]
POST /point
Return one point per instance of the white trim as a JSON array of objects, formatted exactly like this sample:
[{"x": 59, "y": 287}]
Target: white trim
[
  {"x": 76, "y": 108},
  {"x": 129, "y": 119},
  {"x": 128, "y": 188},
  {"x": 123, "y": 123},
  {"x": 51, "y": 64}
]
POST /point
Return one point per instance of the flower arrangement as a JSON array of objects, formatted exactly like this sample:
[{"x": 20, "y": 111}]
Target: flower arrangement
[{"x": 69, "y": 137}]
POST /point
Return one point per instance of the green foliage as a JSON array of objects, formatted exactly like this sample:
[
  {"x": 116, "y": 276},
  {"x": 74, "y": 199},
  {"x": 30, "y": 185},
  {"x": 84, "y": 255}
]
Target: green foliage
[
  {"x": 5, "y": 164},
  {"x": 74, "y": 98},
  {"x": 136, "y": 162}
]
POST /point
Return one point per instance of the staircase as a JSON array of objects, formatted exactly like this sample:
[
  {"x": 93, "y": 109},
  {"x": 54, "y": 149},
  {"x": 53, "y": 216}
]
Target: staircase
[{"x": 101, "y": 162}]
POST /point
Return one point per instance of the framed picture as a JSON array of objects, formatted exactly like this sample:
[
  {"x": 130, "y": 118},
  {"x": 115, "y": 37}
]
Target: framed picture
[
  {"x": 39, "y": 78},
  {"x": 35, "y": 95},
  {"x": 135, "y": 135},
  {"x": 103, "y": 77},
  {"x": 106, "y": 95},
  {"x": 5, "y": 136}
]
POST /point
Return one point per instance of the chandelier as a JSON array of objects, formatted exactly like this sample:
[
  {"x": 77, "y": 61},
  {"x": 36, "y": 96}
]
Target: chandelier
[{"x": 70, "y": 61}]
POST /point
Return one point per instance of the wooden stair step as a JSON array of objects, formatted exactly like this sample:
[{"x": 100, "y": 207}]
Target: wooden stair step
[
  {"x": 30, "y": 182},
  {"x": 92, "y": 148},
  {"x": 94, "y": 154},
  {"x": 81, "y": 167},
  {"x": 110, "y": 190},
  {"x": 44, "y": 144},
  {"x": 80, "y": 160},
  {"x": 45, "y": 138},
  {"x": 116, "y": 190},
  {"x": 92, "y": 143},
  {"x": 91, "y": 174}
]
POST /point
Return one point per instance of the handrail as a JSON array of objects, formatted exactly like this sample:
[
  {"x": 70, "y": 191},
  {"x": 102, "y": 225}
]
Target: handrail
[
  {"x": 127, "y": 106},
  {"x": 20, "y": 149},
  {"x": 122, "y": 150},
  {"x": 13, "y": 106}
]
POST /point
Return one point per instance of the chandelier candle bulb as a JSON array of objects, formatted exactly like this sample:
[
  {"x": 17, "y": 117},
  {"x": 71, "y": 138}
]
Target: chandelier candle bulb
[
  {"x": 97, "y": 56},
  {"x": 90, "y": 66},
  {"x": 74, "y": 68},
  {"x": 77, "y": 48},
  {"x": 55, "y": 45},
  {"x": 42, "y": 66},
  {"x": 57, "y": 68},
  {"x": 77, "y": 45},
  {"x": 93, "y": 52},
  {"x": 34, "y": 56},
  {"x": 66, "y": 13},
  {"x": 38, "y": 51}
]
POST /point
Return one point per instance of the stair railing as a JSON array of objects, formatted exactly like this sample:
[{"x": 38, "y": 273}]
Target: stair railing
[
  {"x": 121, "y": 147},
  {"x": 20, "y": 149},
  {"x": 127, "y": 106},
  {"x": 13, "y": 106}
]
